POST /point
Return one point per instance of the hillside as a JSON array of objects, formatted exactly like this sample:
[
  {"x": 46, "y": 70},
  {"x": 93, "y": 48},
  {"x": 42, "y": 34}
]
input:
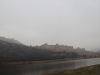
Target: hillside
[
  {"x": 16, "y": 52},
  {"x": 13, "y": 51},
  {"x": 10, "y": 40}
]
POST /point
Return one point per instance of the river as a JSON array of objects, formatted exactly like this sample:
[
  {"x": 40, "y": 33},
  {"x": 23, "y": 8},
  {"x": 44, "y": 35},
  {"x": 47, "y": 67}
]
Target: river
[{"x": 41, "y": 68}]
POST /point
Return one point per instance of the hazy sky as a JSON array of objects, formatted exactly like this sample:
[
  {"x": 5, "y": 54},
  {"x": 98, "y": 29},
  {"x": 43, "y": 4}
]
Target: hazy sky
[{"x": 68, "y": 22}]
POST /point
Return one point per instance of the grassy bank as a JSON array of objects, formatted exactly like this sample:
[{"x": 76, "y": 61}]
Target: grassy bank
[
  {"x": 35, "y": 62},
  {"x": 90, "y": 70}
]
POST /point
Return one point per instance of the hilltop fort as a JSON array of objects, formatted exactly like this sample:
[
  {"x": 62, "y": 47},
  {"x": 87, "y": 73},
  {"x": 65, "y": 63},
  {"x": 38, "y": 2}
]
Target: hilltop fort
[{"x": 58, "y": 47}]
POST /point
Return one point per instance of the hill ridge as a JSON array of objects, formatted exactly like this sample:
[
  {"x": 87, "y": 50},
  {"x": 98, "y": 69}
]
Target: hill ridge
[{"x": 10, "y": 40}]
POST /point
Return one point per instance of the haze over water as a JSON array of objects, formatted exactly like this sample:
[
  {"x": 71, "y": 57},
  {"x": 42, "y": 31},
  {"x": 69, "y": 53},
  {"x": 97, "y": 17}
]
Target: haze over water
[{"x": 66, "y": 22}]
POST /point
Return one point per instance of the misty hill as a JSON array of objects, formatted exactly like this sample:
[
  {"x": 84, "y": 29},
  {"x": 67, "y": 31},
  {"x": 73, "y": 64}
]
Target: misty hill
[
  {"x": 16, "y": 52},
  {"x": 10, "y": 40}
]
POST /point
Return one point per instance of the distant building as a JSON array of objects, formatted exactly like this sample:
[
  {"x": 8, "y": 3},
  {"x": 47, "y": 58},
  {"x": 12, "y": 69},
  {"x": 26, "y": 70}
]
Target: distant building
[
  {"x": 78, "y": 48},
  {"x": 56, "y": 47}
]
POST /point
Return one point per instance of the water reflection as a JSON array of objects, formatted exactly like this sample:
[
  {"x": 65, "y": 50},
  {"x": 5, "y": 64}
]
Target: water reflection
[{"x": 41, "y": 68}]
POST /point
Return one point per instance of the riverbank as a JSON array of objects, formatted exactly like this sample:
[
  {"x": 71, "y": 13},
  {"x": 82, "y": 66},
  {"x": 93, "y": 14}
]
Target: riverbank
[
  {"x": 35, "y": 62},
  {"x": 90, "y": 70}
]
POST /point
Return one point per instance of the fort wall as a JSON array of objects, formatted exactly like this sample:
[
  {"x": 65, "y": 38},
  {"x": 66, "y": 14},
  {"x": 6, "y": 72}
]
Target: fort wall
[{"x": 58, "y": 47}]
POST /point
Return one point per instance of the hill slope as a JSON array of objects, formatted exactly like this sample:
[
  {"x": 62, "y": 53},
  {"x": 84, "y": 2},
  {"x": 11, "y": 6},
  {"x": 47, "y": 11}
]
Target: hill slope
[
  {"x": 10, "y": 40},
  {"x": 16, "y": 52}
]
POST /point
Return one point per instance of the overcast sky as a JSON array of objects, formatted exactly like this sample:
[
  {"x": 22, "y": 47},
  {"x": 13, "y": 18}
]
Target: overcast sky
[{"x": 68, "y": 22}]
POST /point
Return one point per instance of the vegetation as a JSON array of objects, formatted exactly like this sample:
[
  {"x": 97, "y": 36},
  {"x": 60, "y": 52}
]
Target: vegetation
[
  {"x": 91, "y": 70},
  {"x": 15, "y": 52}
]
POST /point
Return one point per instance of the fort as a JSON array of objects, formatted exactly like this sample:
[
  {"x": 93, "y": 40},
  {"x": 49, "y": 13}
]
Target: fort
[{"x": 58, "y": 47}]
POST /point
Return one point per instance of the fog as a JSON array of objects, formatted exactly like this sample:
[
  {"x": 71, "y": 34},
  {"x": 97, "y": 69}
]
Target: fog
[{"x": 66, "y": 22}]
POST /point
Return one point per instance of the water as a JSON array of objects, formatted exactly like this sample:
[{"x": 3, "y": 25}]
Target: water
[{"x": 41, "y": 68}]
